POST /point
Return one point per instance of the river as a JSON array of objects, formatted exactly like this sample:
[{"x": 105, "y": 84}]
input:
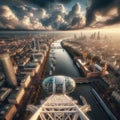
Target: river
[{"x": 65, "y": 66}]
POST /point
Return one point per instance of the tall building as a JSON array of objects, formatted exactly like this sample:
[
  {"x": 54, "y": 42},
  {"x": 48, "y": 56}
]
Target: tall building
[
  {"x": 104, "y": 69},
  {"x": 8, "y": 70}
]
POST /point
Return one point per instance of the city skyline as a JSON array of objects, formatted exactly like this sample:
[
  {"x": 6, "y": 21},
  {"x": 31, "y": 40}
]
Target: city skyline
[{"x": 59, "y": 59}]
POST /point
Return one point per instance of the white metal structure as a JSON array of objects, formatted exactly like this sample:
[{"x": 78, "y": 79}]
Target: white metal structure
[{"x": 58, "y": 107}]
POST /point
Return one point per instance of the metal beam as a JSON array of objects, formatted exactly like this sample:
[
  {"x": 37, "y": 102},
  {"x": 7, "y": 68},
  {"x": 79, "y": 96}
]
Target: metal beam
[{"x": 59, "y": 107}]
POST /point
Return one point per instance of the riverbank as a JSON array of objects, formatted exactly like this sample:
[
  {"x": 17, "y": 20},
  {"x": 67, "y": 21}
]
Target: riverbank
[
  {"x": 73, "y": 51},
  {"x": 68, "y": 67},
  {"x": 105, "y": 93},
  {"x": 36, "y": 88}
]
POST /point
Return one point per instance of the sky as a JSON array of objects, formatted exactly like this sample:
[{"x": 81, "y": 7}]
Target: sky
[{"x": 59, "y": 14}]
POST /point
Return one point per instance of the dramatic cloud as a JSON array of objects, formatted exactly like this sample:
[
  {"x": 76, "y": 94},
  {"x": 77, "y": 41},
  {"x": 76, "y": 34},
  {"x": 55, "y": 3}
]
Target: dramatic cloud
[
  {"x": 76, "y": 10},
  {"x": 78, "y": 21},
  {"x": 105, "y": 8},
  {"x": 53, "y": 14},
  {"x": 15, "y": 20},
  {"x": 59, "y": 18},
  {"x": 42, "y": 13},
  {"x": 53, "y": 17},
  {"x": 57, "y": 8},
  {"x": 75, "y": 17},
  {"x": 6, "y": 12},
  {"x": 56, "y": 17},
  {"x": 7, "y": 18}
]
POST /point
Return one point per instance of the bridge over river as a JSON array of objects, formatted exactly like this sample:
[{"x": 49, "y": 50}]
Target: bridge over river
[
  {"x": 64, "y": 65},
  {"x": 78, "y": 80}
]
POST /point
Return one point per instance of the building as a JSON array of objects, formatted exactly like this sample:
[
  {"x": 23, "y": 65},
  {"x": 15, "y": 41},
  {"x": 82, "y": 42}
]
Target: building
[
  {"x": 33, "y": 66},
  {"x": 91, "y": 69},
  {"x": 26, "y": 71},
  {"x": 116, "y": 95},
  {"x": 24, "y": 80},
  {"x": 4, "y": 92},
  {"x": 2, "y": 79},
  {"x": 7, "y": 112},
  {"x": 38, "y": 58},
  {"x": 16, "y": 96},
  {"x": 8, "y": 70}
]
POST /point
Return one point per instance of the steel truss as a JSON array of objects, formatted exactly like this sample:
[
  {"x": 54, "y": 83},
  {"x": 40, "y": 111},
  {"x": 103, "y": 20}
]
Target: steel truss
[{"x": 58, "y": 107}]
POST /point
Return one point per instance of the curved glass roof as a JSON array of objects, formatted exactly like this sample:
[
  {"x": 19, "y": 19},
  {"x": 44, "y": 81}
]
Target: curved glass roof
[{"x": 59, "y": 85}]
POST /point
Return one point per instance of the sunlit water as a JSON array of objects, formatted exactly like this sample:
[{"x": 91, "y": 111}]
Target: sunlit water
[{"x": 66, "y": 66}]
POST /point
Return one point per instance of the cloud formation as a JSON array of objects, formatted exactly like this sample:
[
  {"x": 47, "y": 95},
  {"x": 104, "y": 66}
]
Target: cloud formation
[
  {"x": 42, "y": 15},
  {"x": 75, "y": 17},
  {"x": 21, "y": 17},
  {"x": 105, "y": 10},
  {"x": 28, "y": 17},
  {"x": 7, "y": 18}
]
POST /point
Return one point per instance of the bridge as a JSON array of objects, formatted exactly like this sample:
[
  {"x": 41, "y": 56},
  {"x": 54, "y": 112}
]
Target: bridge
[{"x": 78, "y": 80}]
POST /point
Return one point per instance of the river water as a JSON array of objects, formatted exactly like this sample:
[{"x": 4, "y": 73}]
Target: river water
[{"x": 65, "y": 66}]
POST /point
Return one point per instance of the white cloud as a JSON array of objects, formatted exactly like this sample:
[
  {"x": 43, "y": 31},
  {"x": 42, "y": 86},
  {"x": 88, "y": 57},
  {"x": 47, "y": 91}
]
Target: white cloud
[
  {"x": 34, "y": 24},
  {"x": 7, "y": 13},
  {"x": 26, "y": 22},
  {"x": 26, "y": 17},
  {"x": 31, "y": 14},
  {"x": 37, "y": 25},
  {"x": 23, "y": 7},
  {"x": 7, "y": 18},
  {"x": 101, "y": 19},
  {"x": 59, "y": 19},
  {"x": 76, "y": 10},
  {"x": 75, "y": 17},
  {"x": 42, "y": 13}
]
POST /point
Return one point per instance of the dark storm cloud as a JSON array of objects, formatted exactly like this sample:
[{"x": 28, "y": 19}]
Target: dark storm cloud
[
  {"x": 28, "y": 16},
  {"x": 102, "y": 6},
  {"x": 11, "y": 19},
  {"x": 75, "y": 12},
  {"x": 19, "y": 10},
  {"x": 45, "y": 3},
  {"x": 75, "y": 21},
  {"x": 56, "y": 17},
  {"x": 113, "y": 20},
  {"x": 75, "y": 17},
  {"x": 76, "y": 9},
  {"x": 13, "y": 2}
]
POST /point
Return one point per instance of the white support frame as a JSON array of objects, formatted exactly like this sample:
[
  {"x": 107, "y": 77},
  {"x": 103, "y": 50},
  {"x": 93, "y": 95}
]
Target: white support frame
[{"x": 58, "y": 107}]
